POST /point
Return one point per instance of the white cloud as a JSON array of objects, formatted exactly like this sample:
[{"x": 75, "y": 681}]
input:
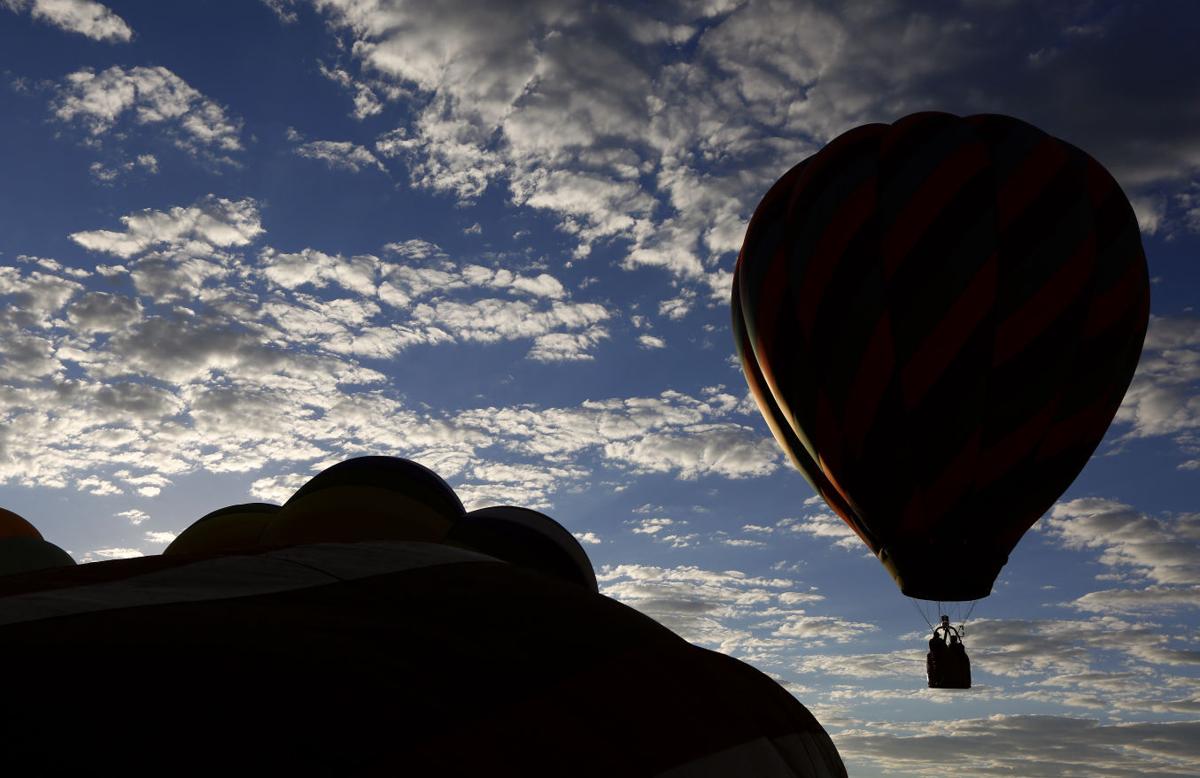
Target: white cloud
[
  {"x": 115, "y": 552},
  {"x": 317, "y": 269},
  {"x": 1164, "y": 397},
  {"x": 86, "y": 17},
  {"x": 366, "y": 101},
  {"x": 588, "y": 538},
  {"x": 148, "y": 96},
  {"x": 97, "y": 486},
  {"x": 730, "y": 450},
  {"x": 340, "y": 155},
  {"x": 1131, "y": 602},
  {"x": 653, "y": 526},
  {"x": 34, "y": 297},
  {"x": 254, "y": 372},
  {"x": 670, "y": 148},
  {"x": 1037, "y": 746},
  {"x": 702, "y": 606},
  {"x": 283, "y": 10},
  {"x": 1165, "y": 551},
  {"x": 1150, "y": 212},
  {"x": 212, "y": 222},
  {"x": 822, "y": 628},
  {"x": 651, "y": 342},
  {"x": 108, "y": 174},
  {"x": 823, "y": 525},
  {"x": 135, "y": 516}
]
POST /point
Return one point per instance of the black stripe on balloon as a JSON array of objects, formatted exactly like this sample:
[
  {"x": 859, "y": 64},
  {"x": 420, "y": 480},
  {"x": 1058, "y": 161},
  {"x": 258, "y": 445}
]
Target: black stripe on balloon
[
  {"x": 821, "y": 215},
  {"x": 825, "y": 214},
  {"x": 845, "y": 315},
  {"x": 946, "y": 420},
  {"x": 1053, "y": 227},
  {"x": 912, "y": 151},
  {"x": 1029, "y": 370},
  {"x": 941, "y": 266},
  {"x": 948, "y": 332},
  {"x": 1089, "y": 399},
  {"x": 943, "y": 261}
]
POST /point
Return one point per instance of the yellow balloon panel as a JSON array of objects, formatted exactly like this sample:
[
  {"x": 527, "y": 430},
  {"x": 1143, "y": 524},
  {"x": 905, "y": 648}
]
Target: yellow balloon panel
[{"x": 224, "y": 533}]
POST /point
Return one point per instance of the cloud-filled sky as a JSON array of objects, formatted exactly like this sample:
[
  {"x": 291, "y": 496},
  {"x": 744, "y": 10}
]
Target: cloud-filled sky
[{"x": 240, "y": 241}]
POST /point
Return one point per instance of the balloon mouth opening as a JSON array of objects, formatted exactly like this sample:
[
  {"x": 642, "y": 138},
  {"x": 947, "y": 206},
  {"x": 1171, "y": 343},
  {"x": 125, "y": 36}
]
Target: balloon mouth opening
[{"x": 950, "y": 572}]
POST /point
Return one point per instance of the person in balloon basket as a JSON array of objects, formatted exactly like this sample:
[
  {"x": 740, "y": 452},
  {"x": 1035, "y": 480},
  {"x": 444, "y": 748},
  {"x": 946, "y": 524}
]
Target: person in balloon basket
[{"x": 947, "y": 664}]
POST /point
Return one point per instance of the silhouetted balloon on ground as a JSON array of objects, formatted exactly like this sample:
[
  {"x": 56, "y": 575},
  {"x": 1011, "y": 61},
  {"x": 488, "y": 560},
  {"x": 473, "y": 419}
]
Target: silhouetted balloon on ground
[
  {"x": 232, "y": 528},
  {"x": 404, "y": 658},
  {"x": 367, "y": 498},
  {"x": 939, "y": 319},
  {"x": 527, "y": 538},
  {"x": 23, "y": 549},
  {"x": 21, "y": 554},
  {"x": 14, "y": 525}
]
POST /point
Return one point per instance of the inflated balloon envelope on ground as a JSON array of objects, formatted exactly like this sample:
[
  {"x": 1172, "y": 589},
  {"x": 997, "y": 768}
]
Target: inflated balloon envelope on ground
[{"x": 370, "y": 625}]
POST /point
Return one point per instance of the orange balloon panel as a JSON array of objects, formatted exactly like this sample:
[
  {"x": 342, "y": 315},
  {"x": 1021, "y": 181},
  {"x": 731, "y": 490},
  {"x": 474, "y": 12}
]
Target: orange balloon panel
[{"x": 12, "y": 525}]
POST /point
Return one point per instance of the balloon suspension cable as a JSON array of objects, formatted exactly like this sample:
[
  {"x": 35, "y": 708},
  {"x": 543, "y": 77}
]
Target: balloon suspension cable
[
  {"x": 963, "y": 625},
  {"x": 920, "y": 611}
]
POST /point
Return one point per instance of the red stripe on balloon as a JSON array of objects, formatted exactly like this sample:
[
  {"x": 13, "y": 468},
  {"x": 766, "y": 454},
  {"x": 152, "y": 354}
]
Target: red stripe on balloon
[
  {"x": 925, "y": 204},
  {"x": 853, "y": 212},
  {"x": 1029, "y": 179},
  {"x": 1100, "y": 184},
  {"x": 994, "y": 462},
  {"x": 870, "y": 383},
  {"x": 1045, "y": 305},
  {"x": 1084, "y": 428},
  {"x": 947, "y": 338},
  {"x": 931, "y": 504},
  {"x": 1111, "y": 305}
]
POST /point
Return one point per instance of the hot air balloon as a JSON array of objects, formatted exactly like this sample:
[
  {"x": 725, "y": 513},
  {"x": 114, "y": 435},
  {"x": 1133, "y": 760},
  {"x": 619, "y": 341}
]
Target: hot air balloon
[
  {"x": 232, "y": 528},
  {"x": 939, "y": 318},
  {"x": 375, "y": 657},
  {"x": 527, "y": 538},
  {"x": 367, "y": 498},
  {"x": 23, "y": 549}
]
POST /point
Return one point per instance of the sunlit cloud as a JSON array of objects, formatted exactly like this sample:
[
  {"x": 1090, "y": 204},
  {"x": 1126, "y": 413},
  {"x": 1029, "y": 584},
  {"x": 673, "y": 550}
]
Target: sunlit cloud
[{"x": 86, "y": 17}]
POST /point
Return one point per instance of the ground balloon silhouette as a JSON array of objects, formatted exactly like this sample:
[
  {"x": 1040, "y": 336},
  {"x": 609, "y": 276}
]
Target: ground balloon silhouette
[
  {"x": 367, "y": 498},
  {"x": 23, "y": 549},
  {"x": 402, "y": 657},
  {"x": 232, "y": 528}
]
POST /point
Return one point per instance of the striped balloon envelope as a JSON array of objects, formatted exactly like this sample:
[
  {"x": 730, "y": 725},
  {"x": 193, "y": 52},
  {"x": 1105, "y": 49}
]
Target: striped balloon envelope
[
  {"x": 939, "y": 319},
  {"x": 373, "y": 658}
]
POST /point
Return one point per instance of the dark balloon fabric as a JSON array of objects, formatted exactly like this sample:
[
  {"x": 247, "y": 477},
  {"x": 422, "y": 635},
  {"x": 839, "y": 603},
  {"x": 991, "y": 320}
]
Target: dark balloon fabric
[
  {"x": 21, "y": 554},
  {"x": 397, "y": 658},
  {"x": 232, "y": 528},
  {"x": 372, "y": 497},
  {"x": 402, "y": 476},
  {"x": 939, "y": 319},
  {"x": 527, "y": 538},
  {"x": 14, "y": 525},
  {"x": 23, "y": 549}
]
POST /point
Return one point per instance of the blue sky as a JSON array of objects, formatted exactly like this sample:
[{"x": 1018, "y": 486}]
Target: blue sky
[{"x": 240, "y": 241}]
